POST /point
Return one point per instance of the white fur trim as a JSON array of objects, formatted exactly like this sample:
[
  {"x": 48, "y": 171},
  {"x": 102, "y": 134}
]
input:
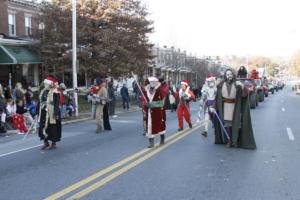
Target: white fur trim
[
  {"x": 187, "y": 92},
  {"x": 184, "y": 83},
  {"x": 151, "y": 96},
  {"x": 46, "y": 81},
  {"x": 153, "y": 79}
]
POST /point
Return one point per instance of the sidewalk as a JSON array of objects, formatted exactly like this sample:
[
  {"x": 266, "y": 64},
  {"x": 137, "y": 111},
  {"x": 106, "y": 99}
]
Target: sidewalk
[{"x": 83, "y": 117}]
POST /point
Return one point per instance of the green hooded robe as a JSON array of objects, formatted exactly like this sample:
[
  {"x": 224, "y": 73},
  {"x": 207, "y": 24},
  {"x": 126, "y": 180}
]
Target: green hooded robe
[{"x": 242, "y": 132}]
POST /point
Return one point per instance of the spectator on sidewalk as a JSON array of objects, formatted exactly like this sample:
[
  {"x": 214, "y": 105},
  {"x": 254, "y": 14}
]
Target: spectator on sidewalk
[
  {"x": 135, "y": 90},
  {"x": 19, "y": 93},
  {"x": 92, "y": 96},
  {"x": 17, "y": 119},
  {"x": 70, "y": 105},
  {"x": 125, "y": 97},
  {"x": 63, "y": 97},
  {"x": 2, "y": 112},
  {"x": 7, "y": 93},
  {"x": 30, "y": 103},
  {"x": 112, "y": 99}
]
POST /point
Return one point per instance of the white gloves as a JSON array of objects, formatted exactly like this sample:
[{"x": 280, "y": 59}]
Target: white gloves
[{"x": 212, "y": 109}]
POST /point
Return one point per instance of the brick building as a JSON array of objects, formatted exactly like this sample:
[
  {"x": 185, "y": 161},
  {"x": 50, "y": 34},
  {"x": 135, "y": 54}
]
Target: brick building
[{"x": 18, "y": 62}]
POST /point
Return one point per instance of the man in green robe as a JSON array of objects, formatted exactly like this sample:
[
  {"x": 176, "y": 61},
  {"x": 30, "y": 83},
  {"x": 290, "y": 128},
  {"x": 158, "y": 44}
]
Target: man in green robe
[{"x": 232, "y": 106}]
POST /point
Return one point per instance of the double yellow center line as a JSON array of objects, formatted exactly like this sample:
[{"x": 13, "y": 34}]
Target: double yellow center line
[{"x": 169, "y": 141}]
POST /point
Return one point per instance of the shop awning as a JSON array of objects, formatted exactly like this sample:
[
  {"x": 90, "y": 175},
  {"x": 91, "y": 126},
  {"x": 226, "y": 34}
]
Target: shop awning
[
  {"x": 5, "y": 57},
  {"x": 10, "y": 54}
]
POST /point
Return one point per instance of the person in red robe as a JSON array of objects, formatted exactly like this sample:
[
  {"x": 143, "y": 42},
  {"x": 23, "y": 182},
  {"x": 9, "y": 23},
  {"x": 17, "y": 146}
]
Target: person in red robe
[
  {"x": 185, "y": 95},
  {"x": 254, "y": 74},
  {"x": 154, "y": 111}
]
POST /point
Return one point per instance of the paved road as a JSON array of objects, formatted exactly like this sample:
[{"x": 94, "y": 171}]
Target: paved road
[{"x": 187, "y": 167}]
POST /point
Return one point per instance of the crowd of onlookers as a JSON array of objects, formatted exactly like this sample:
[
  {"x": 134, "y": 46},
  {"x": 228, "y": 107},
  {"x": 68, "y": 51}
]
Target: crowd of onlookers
[{"x": 19, "y": 107}]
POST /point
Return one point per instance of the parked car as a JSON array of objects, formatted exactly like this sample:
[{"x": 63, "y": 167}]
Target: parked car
[
  {"x": 280, "y": 85},
  {"x": 297, "y": 88},
  {"x": 249, "y": 83},
  {"x": 275, "y": 84},
  {"x": 260, "y": 90},
  {"x": 266, "y": 90},
  {"x": 271, "y": 87}
]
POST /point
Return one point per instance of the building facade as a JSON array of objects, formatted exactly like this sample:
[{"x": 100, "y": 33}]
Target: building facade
[
  {"x": 176, "y": 65},
  {"x": 18, "y": 62}
]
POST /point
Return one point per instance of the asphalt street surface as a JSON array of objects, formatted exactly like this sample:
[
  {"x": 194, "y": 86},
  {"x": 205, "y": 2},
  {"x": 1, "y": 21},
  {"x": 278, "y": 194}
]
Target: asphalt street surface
[{"x": 188, "y": 167}]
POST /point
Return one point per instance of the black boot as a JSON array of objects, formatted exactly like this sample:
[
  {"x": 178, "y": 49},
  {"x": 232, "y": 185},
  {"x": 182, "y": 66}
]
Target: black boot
[
  {"x": 46, "y": 145},
  {"x": 204, "y": 134},
  {"x": 190, "y": 125},
  {"x": 53, "y": 146},
  {"x": 228, "y": 140},
  {"x": 151, "y": 143},
  {"x": 162, "y": 139}
]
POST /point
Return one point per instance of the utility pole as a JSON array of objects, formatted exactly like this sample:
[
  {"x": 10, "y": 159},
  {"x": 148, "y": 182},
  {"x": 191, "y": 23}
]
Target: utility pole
[{"x": 74, "y": 57}]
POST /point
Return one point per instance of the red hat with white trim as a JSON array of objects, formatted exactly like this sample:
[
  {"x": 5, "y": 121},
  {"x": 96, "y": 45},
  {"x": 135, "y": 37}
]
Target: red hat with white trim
[
  {"x": 210, "y": 76},
  {"x": 185, "y": 82},
  {"x": 50, "y": 80}
]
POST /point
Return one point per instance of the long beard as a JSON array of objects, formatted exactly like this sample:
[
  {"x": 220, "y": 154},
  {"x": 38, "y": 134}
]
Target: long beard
[
  {"x": 229, "y": 81},
  {"x": 151, "y": 90}
]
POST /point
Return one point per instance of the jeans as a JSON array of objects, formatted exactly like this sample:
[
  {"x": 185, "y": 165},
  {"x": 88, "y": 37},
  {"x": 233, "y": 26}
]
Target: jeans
[
  {"x": 125, "y": 103},
  {"x": 63, "y": 110}
]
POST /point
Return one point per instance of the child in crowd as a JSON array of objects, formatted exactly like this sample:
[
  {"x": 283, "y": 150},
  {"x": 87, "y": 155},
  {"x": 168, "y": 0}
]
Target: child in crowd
[{"x": 16, "y": 114}]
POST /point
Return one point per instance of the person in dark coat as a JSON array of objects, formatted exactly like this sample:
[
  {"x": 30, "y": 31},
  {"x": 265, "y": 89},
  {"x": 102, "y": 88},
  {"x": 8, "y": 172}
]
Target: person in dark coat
[
  {"x": 242, "y": 73},
  {"x": 232, "y": 107},
  {"x": 49, "y": 114},
  {"x": 112, "y": 99},
  {"x": 125, "y": 96},
  {"x": 106, "y": 123}
]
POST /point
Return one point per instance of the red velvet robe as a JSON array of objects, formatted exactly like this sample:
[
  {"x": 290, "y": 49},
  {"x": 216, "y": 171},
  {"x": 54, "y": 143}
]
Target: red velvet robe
[{"x": 155, "y": 117}]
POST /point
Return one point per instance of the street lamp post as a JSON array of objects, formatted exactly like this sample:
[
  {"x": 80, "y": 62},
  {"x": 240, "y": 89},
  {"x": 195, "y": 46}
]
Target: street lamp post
[{"x": 74, "y": 57}]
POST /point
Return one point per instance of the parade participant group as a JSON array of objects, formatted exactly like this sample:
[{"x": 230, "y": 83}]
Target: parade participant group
[{"x": 223, "y": 103}]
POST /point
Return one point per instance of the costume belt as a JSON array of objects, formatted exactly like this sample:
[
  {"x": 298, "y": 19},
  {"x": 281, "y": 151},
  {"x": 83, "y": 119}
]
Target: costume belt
[{"x": 225, "y": 100}]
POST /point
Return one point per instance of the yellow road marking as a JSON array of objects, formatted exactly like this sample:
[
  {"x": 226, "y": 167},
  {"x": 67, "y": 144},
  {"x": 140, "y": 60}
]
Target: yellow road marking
[
  {"x": 121, "y": 171},
  {"x": 105, "y": 171}
]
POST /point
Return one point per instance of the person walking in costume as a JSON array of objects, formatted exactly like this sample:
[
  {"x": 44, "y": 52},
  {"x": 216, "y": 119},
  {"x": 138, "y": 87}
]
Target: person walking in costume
[
  {"x": 185, "y": 95},
  {"x": 232, "y": 108},
  {"x": 154, "y": 110},
  {"x": 207, "y": 101},
  {"x": 49, "y": 114}
]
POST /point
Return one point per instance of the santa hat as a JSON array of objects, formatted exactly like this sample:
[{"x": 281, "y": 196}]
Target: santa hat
[
  {"x": 184, "y": 82},
  {"x": 210, "y": 76},
  {"x": 50, "y": 80},
  {"x": 153, "y": 79}
]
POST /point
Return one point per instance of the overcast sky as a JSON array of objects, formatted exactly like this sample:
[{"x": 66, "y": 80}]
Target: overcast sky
[{"x": 223, "y": 27}]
